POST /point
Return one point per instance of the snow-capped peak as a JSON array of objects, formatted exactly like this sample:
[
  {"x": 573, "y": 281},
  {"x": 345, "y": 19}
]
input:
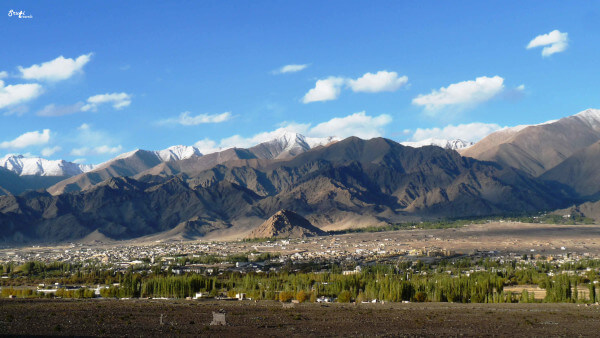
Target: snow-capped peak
[
  {"x": 321, "y": 141},
  {"x": 591, "y": 117},
  {"x": 38, "y": 166},
  {"x": 446, "y": 144},
  {"x": 172, "y": 153},
  {"x": 289, "y": 140},
  {"x": 175, "y": 153}
]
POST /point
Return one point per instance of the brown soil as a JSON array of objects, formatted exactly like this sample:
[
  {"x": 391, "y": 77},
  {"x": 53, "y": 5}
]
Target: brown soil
[{"x": 247, "y": 318}]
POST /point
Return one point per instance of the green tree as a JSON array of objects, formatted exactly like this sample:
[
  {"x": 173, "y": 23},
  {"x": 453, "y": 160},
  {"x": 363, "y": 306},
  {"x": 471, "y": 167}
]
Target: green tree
[{"x": 344, "y": 296}]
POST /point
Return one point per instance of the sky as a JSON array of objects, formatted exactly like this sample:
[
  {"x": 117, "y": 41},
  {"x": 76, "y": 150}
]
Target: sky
[{"x": 87, "y": 80}]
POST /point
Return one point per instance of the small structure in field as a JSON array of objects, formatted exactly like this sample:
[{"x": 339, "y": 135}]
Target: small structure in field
[
  {"x": 218, "y": 318},
  {"x": 289, "y": 305}
]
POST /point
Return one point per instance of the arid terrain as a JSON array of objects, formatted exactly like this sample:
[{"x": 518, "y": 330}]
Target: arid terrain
[
  {"x": 502, "y": 238},
  {"x": 267, "y": 318}
]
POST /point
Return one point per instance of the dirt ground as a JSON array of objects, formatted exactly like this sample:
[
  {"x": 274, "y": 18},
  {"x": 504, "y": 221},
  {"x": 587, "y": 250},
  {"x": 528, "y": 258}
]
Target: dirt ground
[{"x": 247, "y": 318}]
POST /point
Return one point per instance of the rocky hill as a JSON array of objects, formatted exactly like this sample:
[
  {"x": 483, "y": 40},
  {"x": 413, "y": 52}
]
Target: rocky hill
[{"x": 286, "y": 224}]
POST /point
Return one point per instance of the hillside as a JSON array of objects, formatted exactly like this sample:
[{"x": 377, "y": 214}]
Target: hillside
[
  {"x": 375, "y": 181},
  {"x": 538, "y": 148},
  {"x": 286, "y": 224},
  {"x": 580, "y": 172}
]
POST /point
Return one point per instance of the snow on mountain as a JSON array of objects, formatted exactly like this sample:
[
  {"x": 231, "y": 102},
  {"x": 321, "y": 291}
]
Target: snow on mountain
[
  {"x": 37, "y": 166},
  {"x": 289, "y": 143},
  {"x": 286, "y": 142},
  {"x": 446, "y": 144},
  {"x": 175, "y": 153},
  {"x": 591, "y": 117},
  {"x": 321, "y": 141}
]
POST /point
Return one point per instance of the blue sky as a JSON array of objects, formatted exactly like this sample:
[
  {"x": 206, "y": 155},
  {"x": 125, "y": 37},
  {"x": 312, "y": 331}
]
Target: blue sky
[{"x": 86, "y": 80}]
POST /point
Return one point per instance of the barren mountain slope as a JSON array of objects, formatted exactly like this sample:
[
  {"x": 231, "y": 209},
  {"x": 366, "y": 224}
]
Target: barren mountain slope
[{"x": 538, "y": 148}]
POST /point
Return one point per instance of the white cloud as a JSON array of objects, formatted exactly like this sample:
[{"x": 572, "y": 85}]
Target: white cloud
[
  {"x": 467, "y": 132},
  {"x": 207, "y": 146},
  {"x": 553, "y": 42},
  {"x": 99, "y": 150},
  {"x": 118, "y": 101},
  {"x": 104, "y": 149},
  {"x": 358, "y": 124},
  {"x": 186, "y": 119},
  {"x": 382, "y": 81},
  {"x": 80, "y": 151},
  {"x": 80, "y": 160},
  {"x": 325, "y": 90},
  {"x": 50, "y": 151},
  {"x": 55, "y": 110},
  {"x": 18, "y": 110},
  {"x": 3, "y": 74},
  {"x": 290, "y": 69},
  {"x": 89, "y": 137},
  {"x": 331, "y": 87},
  {"x": 462, "y": 94},
  {"x": 58, "y": 69},
  {"x": 84, "y": 126},
  {"x": 19, "y": 93},
  {"x": 93, "y": 142},
  {"x": 32, "y": 138}
]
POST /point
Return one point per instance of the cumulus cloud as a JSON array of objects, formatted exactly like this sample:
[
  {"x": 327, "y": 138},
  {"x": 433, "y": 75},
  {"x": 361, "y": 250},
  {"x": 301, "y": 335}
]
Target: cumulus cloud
[
  {"x": 118, "y": 101},
  {"x": 207, "y": 146},
  {"x": 50, "y": 151},
  {"x": 19, "y": 93},
  {"x": 331, "y": 87},
  {"x": 58, "y": 110},
  {"x": 462, "y": 94},
  {"x": 58, "y": 69},
  {"x": 3, "y": 74},
  {"x": 553, "y": 42},
  {"x": 358, "y": 124},
  {"x": 325, "y": 90},
  {"x": 32, "y": 138},
  {"x": 382, "y": 81},
  {"x": 186, "y": 119},
  {"x": 468, "y": 132},
  {"x": 290, "y": 69}
]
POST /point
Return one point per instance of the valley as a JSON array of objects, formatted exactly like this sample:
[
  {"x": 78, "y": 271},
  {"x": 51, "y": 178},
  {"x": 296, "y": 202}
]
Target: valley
[{"x": 506, "y": 240}]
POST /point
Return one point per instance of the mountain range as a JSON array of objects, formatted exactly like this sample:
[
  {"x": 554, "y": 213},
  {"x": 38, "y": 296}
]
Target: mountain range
[
  {"x": 334, "y": 183},
  {"x": 457, "y": 144}
]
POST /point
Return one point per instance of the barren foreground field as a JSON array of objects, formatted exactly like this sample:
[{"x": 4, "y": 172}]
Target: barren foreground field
[{"x": 247, "y": 318}]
